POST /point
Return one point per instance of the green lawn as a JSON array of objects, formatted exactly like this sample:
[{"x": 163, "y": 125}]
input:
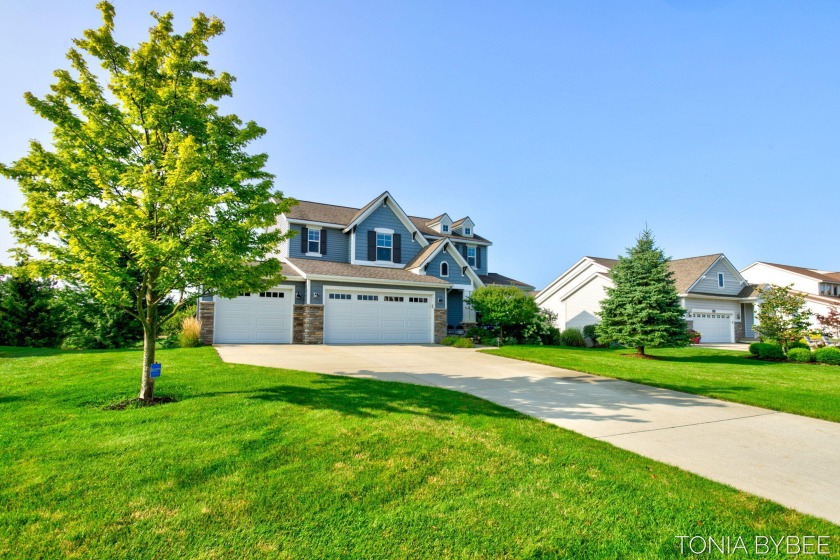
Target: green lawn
[
  {"x": 807, "y": 389},
  {"x": 256, "y": 462}
]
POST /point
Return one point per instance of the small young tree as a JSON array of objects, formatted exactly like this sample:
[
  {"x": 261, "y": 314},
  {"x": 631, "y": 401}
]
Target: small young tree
[
  {"x": 643, "y": 307},
  {"x": 505, "y": 307},
  {"x": 782, "y": 315},
  {"x": 830, "y": 323},
  {"x": 147, "y": 189}
]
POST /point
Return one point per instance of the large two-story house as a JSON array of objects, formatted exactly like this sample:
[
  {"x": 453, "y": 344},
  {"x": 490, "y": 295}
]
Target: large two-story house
[
  {"x": 369, "y": 275},
  {"x": 821, "y": 288},
  {"x": 718, "y": 300}
]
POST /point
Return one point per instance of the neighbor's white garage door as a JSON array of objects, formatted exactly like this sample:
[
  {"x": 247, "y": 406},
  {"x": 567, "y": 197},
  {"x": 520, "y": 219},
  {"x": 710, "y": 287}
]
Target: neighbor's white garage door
[
  {"x": 361, "y": 317},
  {"x": 256, "y": 318},
  {"x": 713, "y": 327}
]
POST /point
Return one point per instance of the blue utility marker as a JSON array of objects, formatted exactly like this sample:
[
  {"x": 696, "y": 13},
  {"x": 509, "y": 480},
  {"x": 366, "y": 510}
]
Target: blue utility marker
[{"x": 155, "y": 371}]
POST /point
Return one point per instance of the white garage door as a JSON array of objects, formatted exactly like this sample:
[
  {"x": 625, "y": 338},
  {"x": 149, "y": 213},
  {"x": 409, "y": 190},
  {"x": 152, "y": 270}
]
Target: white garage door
[
  {"x": 256, "y": 318},
  {"x": 713, "y": 327},
  {"x": 360, "y": 317}
]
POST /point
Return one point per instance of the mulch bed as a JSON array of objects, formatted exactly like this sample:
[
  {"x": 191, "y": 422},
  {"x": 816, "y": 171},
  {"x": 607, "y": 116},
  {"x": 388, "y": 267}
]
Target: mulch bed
[{"x": 139, "y": 403}]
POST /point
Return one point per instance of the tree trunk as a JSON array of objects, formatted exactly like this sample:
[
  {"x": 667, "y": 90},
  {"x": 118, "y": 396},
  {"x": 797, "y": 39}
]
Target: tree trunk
[
  {"x": 147, "y": 384},
  {"x": 640, "y": 350}
]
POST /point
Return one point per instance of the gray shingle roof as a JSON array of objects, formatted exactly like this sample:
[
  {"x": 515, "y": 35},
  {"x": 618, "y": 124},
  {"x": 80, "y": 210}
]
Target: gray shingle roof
[
  {"x": 809, "y": 272},
  {"x": 349, "y": 271},
  {"x": 343, "y": 215},
  {"x": 686, "y": 271},
  {"x": 496, "y": 279},
  {"x": 424, "y": 254}
]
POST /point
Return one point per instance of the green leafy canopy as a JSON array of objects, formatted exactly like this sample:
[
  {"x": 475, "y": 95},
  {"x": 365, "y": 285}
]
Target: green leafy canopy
[
  {"x": 643, "y": 307},
  {"x": 147, "y": 189}
]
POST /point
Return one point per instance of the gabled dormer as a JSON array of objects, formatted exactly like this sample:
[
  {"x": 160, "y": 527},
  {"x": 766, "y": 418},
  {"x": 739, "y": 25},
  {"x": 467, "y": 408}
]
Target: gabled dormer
[
  {"x": 441, "y": 224},
  {"x": 463, "y": 227}
]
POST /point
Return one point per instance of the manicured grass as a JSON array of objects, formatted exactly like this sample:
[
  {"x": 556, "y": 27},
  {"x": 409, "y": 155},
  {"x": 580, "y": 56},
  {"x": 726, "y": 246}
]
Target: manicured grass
[
  {"x": 806, "y": 389},
  {"x": 256, "y": 462}
]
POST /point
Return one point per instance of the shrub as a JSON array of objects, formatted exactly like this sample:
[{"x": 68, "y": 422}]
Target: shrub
[
  {"x": 591, "y": 333},
  {"x": 463, "y": 343},
  {"x": 771, "y": 352},
  {"x": 551, "y": 337},
  {"x": 449, "y": 340},
  {"x": 800, "y": 345},
  {"x": 190, "y": 336},
  {"x": 754, "y": 348},
  {"x": 828, "y": 355},
  {"x": 801, "y": 355},
  {"x": 572, "y": 337}
]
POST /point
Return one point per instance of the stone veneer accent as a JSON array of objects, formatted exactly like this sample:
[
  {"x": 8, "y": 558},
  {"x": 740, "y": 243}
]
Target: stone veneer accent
[
  {"x": 308, "y": 324},
  {"x": 206, "y": 313},
  {"x": 440, "y": 325},
  {"x": 739, "y": 330}
]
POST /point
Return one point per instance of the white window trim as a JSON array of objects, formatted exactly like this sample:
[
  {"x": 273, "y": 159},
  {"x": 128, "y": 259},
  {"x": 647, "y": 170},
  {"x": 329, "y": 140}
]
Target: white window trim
[
  {"x": 389, "y": 232},
  {"x": 721, "y": 280},
  {"x": 447, "y": 269},
  {"x": 468, "y": 231},
  {"x": 308, "y": 241},
  {"x": 474, "y": 258},
  {"x": 444, "y": 228}
]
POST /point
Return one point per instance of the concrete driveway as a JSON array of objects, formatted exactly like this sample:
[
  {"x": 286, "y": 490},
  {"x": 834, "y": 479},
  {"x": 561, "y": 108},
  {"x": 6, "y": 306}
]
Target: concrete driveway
[{"x": 790, "y": 459}]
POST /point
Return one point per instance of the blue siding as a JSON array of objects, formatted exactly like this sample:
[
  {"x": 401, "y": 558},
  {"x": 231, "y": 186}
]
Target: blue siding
[
  {"x": 384, "y": 217},
  {"x": 484, "y": 267},
  {"x": 709, "y": 285},
  {"x": 338, "y": 245},
  {"x": 318, "y": 287},
  {"x": 455, "y": 275},
  {"x": 455, "y": 311}
]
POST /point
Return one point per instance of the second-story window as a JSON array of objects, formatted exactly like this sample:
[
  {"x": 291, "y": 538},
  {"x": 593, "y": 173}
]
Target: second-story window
[
  {"x": 720, "y": 280},
  {"x": 314, "y": 245},
  {"x": 471, "y": 256},
  {"x": 444, "y": 268},
  {"x": 384, "y": 247}
]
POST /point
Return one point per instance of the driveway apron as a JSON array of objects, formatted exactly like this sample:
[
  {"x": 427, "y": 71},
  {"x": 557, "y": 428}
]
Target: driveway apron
[{"x": 790, "y": 459}]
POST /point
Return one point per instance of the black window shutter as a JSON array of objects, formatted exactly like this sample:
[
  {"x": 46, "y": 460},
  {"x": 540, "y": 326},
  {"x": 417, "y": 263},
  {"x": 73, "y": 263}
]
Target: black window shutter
[
  {"x": 323, "y": 242},
  {"x": 371, "y": 245},
  {"x": 304, "y": 240},
  {"x": 397, "y": 248},
  {"x": 464, "y": 251},
  {"x": 478, "y": 257}
]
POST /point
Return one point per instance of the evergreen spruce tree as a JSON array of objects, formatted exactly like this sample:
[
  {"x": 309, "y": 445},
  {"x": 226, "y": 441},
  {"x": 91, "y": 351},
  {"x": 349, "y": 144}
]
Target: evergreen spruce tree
[{"x": 643, "y": 308}]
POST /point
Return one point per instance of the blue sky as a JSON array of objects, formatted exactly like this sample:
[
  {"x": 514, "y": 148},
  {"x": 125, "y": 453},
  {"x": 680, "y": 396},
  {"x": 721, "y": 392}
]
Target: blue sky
[{"x": 561, "y": 128}]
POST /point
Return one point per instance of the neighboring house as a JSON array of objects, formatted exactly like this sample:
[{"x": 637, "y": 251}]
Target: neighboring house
[
  {"x": 371, "y": 275},
  {"x": 718, "y": 300},
  {"x": 821, "y": 288}
]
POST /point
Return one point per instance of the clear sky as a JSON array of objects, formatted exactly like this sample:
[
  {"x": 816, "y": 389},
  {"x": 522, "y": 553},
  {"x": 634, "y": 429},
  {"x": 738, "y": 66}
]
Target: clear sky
[{"x": 561, "y": 128}]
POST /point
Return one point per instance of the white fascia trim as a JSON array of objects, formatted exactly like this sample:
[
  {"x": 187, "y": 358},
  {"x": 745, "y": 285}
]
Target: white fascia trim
[
  {"x": 377, "y": 281},
  {"x": 462, "y": 263},
  {"x": 558, "y": 283},
  {"x": 384, "y": 230},
  {"x": 310, "y": 223},
  {"x": 379, "y": 264},
  {"x": 718, "y": 298},
  {"x": 461, "y": 240},
  {"x": 293, "y": 279},
  {"x": 786, "y": 271},
  {"x": 584, "y": 284},
  {"x": 296, "y": 269},
  {"x": 708, "y": 268},
  {"x": 398, "y": 211}
]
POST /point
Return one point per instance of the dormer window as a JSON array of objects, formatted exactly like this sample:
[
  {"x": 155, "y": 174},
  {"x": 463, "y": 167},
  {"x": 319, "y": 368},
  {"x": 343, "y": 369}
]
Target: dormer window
[
  {"x": 721, "y": 281},
  {"x": 445, "y": 228},
  {"x": 467, "y": 231},
  {"x": 444, "y": 268},
  {"x": 471, "y": 256}
]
